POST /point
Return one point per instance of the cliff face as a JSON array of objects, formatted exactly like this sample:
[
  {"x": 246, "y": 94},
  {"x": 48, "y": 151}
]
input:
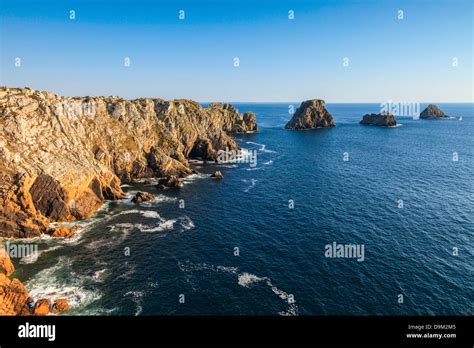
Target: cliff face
[
  {"x": 63, "y": 156},
  {"x": 311, "y": 114},
  {"x": 379, "y": 120}
]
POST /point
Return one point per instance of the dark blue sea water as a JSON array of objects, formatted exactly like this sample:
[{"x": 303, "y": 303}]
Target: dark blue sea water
[{"x": 191, "y": 250}]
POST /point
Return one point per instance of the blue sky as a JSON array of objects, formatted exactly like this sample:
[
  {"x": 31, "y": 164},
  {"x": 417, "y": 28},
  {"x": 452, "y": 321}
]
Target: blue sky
[{"x": 407, "y": 60}]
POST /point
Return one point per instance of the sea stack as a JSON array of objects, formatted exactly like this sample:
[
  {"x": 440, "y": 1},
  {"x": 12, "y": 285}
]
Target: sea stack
[
  {"x": 310, "y": 115},
  {"x": 383, "y": 120},
  {"x": 432, "y": 112}
]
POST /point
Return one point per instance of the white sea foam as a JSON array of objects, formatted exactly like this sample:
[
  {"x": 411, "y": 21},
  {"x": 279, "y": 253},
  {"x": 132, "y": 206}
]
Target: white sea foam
[
  {"x": 33, "y": 257},
  {"x": 151, "y": 214},
  {"x": 251, "y": 183},
  {"x": 137, "y": 298},
  {"x": 245, "y": 280},
  {"x": 194, "y": 177},
  {"x": 99, "y": 275},
  {"x": 59, "y": 282},
  {"x": 263, "y": 147},
  {"x": 129, "y": 270},
  {"x": 186, "y": 222},
  {"x": 161, "y": 226}
]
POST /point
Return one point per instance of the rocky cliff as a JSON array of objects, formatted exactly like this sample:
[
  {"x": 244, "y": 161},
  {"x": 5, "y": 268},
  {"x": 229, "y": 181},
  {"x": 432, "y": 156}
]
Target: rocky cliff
[
  {"x": 311, "y": 114},
  {"x": 432, "y": 112},
  {"x": 14, "y": 298},
  {"x": 384, "y": 120},
  {"x": 63, "y": 156}
]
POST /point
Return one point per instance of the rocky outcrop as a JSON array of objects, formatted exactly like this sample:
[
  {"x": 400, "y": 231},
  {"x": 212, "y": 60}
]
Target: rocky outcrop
[
  {"x": 217, "y": 175},
  {"x": 141, "y": 197},
  {"x": 65, "y": 231},
  {"x": 432, "y": 112},
  {"x": 63, "y": 156},
  {"x": 60, "y": 306},
  {"x": 42, "y": 307},
  {"x": 384, "y": 120},
  {"x": 169, "y": 182},
  {"x": 311, "y": 114},
  {"x": 14, "y": 299}
]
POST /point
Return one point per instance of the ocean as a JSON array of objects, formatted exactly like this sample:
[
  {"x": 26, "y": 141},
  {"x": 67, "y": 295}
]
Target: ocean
[{"x": 255, "y": 243}]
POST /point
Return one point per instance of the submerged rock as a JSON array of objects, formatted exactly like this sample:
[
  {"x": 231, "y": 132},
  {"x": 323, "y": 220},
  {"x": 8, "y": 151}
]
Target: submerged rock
[
  {"x": 384, "y": 120},
  {"x": 217, "y": 175},
  {"x": 143, "y": 197},
  {"x": 311, "y": 114},
  {"x": 432, "y": 112}
]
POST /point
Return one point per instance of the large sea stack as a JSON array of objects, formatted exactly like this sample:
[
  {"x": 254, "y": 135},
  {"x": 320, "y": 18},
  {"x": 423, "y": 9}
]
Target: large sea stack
[
  {"x": 311, "y": 114},
  {"x": 384, "y": 120},
  {"x": 63, "y": 156},
  {"x": 432, "y": 112}
]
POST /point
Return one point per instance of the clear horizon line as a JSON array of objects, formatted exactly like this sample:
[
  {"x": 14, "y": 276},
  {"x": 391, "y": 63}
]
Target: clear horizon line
[{"x": 332, "y": 102}]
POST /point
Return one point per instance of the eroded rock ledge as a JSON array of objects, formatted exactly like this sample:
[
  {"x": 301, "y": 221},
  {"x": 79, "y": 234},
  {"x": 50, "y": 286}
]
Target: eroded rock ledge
[
  {"x": 63, "y": 156},
  {"x": 311, "y": 114}
]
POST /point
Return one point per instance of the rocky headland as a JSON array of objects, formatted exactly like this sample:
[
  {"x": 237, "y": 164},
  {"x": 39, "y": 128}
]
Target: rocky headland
[
  {"x": 310, "y": 115},
  {"x": 432, "y": 112},
  {"x": 384, "y": 120},
  {"x": 62, "y": 157}
]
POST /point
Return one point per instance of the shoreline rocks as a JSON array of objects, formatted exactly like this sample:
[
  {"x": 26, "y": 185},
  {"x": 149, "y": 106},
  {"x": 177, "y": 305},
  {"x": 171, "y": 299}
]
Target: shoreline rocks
[
  {"x": 310, "y": 115},
  {"x": 141, "y": 197},
  {"x": 432, "y": 112},
  {"x": 383, "y": 120},
  {"x": 65, "y": 231},
  {"x": 14, "y": 298},
  {"x": 170, "y": 182},
  {"x": 62, "y": 157}
]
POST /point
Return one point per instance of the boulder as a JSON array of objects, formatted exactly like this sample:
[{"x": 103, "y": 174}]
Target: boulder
[
  {"x": 61, "y": 305},
  {"x": 170, "y": 182},
  {"x": 432, "y": 112},
  {"x": 384, "y": 120},
  {"x": 143, "y": 197},
  {"x": 310, "y": 115},
  {"x": 42, "y": 307},
  {"x": 217, "y": 175}
]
